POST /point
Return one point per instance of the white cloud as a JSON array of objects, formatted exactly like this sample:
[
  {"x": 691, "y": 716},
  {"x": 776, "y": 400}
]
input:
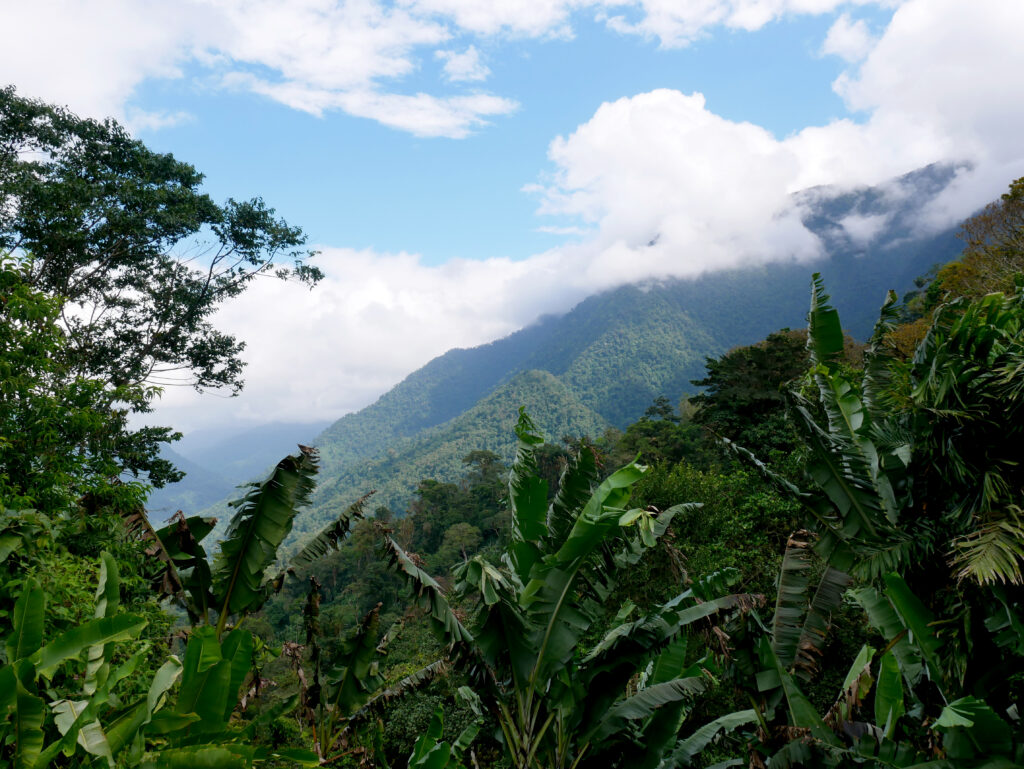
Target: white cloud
[
  {"x": 676, "y": 23},
  {"x": 662, "y": 167},
  {"x": 662, "y": 185},
  {"x": 320, "y": 55},
  {"x": 463, "y": 66},
  {"x": 376, "y": 317},
  {"x": 93, "y": 55},
  {"x": 848, "y": 39},
  {"x": 862, "y": 229}
]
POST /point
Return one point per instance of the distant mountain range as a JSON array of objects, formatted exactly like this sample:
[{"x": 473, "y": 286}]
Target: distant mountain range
[
  {"x": 216, "y": 461},
  {"x": 601, "y": 364}
]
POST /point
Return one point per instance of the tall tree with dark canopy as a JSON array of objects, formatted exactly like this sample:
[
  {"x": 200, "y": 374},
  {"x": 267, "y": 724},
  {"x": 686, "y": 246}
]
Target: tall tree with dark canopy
[{"x": 140, "y": 257}]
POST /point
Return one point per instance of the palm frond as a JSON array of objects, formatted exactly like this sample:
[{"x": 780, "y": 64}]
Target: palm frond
[
  {"x": 994, "y": 552},
  {"x": 420, "y": 678},
  {"x": 263, "y": 521},
  {"x": 429, "y": 596},
  {"x": 792, "y": 599},
  {"x": 331, "y": 537}
]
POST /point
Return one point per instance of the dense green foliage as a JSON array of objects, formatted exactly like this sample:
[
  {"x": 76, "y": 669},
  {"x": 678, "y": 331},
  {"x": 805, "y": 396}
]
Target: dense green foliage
[
  {"x": 854, "y": 601},
  {"x": 913, "y": 500},
  {"x": 136, "y": 257},
  {"x": 559, "y": 699},
  {"x": 617, "y": 351},
  {"x": 62, "y": 437}
]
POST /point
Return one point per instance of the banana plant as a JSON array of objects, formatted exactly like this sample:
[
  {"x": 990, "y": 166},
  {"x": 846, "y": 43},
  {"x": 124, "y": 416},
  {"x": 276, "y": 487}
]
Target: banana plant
[
  {"x": 561, "y": 700},
  {"x": 876, "y": 719},
  {"x": 341, "y": 699},
  {"x": 60, "y": 704},
  {"x": 914, "y": 487},
  {"x": 238, "y": 582},
  {"x": 432, "y": 752}
]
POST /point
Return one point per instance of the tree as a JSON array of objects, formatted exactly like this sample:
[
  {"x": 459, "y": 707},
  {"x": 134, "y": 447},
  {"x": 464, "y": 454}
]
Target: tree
[
  {"x": 914, "y": 488},
  {"x": 534, "y": 651},
  {"x": 992, "y": 258},
  {"x": 138, "y": 256},
  {"x": 63, "y": 438},
  {"x": 993, "y": 253},
  {"x": 743, "y": 399},
  {"x": 660, "y": 436}
]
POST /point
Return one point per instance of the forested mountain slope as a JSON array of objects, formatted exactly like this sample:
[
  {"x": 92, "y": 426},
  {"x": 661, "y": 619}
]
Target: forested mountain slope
[
  {"x": 437, "y": 452},
  {"x": 612, "y": 354},
  {"x": 217, "y": 460}
]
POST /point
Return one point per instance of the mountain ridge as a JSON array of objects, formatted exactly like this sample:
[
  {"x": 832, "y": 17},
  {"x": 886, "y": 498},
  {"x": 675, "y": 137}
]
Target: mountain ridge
[{"x": 614, "y": 352}]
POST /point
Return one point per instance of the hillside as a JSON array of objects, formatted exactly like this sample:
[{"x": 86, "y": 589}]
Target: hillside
[
  {"x": 437, "y": 452},
  {"x": 217, "y": 461},
  {"x": 606, "y": 360}
]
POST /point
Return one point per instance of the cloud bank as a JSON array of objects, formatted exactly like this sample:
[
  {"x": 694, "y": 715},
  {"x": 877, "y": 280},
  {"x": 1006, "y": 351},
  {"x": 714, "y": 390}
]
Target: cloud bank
[
  {"x": 655, "y": 185},
  {"x": 326, "y": 55}
]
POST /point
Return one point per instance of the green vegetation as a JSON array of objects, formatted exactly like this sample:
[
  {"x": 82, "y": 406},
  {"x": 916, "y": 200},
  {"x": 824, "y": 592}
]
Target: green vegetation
[
  {"x": 135, "y": 260},
  {"x": 559, "y": 701},
  {"x": 816, "y": 561}
]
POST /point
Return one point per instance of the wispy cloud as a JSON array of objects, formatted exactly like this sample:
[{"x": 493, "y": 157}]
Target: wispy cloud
[
  {"x": 663, "y": 187},
  {"x": 324, "y": 55},
  {"x": 463, "y": 66}
]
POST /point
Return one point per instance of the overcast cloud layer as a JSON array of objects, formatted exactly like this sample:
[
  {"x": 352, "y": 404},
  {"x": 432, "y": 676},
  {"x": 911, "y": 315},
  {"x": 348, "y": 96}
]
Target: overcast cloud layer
[{"x": 941, "y": 83}]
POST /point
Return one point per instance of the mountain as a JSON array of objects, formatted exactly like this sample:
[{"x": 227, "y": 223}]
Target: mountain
[
  {"x": 215, "y": 462},
  {"x": 436, "y": 451},
  {"x": 602, "y": 363}
]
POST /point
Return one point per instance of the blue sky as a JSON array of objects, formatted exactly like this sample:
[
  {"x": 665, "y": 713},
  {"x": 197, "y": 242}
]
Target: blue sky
[
  {"x": 351, "y": 181},
  {"x": 466, "y": 165}
]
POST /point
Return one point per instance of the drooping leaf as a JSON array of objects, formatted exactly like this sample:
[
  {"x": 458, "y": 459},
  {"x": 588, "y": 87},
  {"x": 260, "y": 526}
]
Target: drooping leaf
[
  {"x": 92, "y": 633},
  {"x": 197, "y": 757},
  {"x": 188, "y": 568},
  {"x": 205, "y": 678},
  {"x": 332, "y": 536},
  {"x": 72, "y": 719},
  {"x": 883, "y": 618},
  {"x": 429, "y": 596},
  {"x": 263, "y": 521},
  {"x": 977, "y": 717},
  {"x": 237, "y": 649},
  {"x": 916, "y": 617},
  {"x": 28, "y": 717},
  {"x": 856, "y": 687},
  {"x": 889, "y": 706},
  {"x": 137, "y": 525},
  {"x": 827, "y": 598},
  {"x": 647, "y": 701},
  {"x": 801, "y": 712},
  {"x": 406, "y": 685},
  {"x": 792, "y": 601},
  {"x": 27, "y": 631},
  {"x": 349, "y": 681},
  {"x": 108, "y": 596},
  {"x": 688, "y": 749}
]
